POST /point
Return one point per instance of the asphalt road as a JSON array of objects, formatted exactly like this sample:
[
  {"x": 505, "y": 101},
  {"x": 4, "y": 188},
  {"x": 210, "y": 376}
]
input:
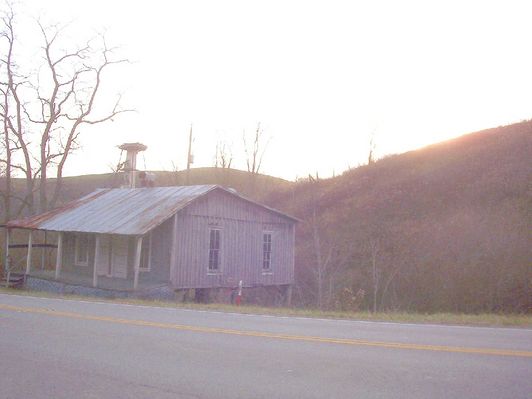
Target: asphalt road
[{"x": 53, "y": 348}]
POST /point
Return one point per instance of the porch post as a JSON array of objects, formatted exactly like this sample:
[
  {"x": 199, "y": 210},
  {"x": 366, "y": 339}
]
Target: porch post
[
  {"x": 43, "y": 252},
  {"x": 59, "y": 257},
  {"x": 173, "y": 250},
  {"x": 137, "y": 263},
  {"x": 96, "y": 259},
  {"x": 7, "y": 266},
  {"x": 28, "y": 255}
]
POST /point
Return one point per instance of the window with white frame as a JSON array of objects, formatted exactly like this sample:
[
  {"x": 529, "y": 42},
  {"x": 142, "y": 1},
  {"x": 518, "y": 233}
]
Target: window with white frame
[
  {"x": 82, "y": 250},
  {"x": 145, "y": 254},
  {"x": 214, "y": 250},
  {"x": 266, "y": 251}
]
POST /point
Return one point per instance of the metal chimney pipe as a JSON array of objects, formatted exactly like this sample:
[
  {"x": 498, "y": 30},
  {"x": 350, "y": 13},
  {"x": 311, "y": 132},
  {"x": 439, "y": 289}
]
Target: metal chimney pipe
[{"x": 132, "y": 149}]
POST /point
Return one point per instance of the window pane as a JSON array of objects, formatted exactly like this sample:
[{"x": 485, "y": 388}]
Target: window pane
[
  {"x": 266, "y": 251},
  {"x": 214, "y": 249}
]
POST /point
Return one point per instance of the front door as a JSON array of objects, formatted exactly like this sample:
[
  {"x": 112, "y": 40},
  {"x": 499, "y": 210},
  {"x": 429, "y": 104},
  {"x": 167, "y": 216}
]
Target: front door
[
  {"x": 119, "y": 256},
  {"x": 104, "y": 258}
]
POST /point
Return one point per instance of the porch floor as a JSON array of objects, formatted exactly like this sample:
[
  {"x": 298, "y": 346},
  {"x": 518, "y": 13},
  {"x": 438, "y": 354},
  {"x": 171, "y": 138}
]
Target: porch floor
[{"x": 104, "y": 282}]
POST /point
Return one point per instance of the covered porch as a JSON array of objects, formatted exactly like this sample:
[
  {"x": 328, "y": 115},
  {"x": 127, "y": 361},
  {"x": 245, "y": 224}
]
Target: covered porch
[{"x": 112, "y": 263}]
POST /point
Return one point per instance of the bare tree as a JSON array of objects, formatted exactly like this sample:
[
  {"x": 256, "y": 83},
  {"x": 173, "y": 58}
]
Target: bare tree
[
  {"x": 372, "y": 147},
  {"x": 190, "y": 156},
  {"x": 255, "y": 150},
  {"x": 11, "y": 112},
  {"x": 224, "y": 155},
  {"x": 5, "y": 155},
  {"x": 384, "y": 258},
  {"x": 43, "y": 114},
  {"x": 322, "y": 261},
  {"x": 373, "y": 249},
  {"x": 176, "y": 180},
  {"x": 328, "y": 250}
]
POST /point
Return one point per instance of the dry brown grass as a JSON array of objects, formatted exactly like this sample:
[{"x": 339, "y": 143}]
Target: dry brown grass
[{"x": 480, "y": 320}]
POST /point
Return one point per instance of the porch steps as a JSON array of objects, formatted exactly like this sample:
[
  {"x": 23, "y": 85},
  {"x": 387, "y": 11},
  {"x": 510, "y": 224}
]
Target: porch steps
[{"x": 16, "y": 280}]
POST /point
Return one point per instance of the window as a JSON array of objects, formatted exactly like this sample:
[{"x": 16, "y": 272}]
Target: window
[
  {"x": 214, "y": 250},
  {"x": 266, "y": 251},
  {"x": 145, "y": 254},
  {"x": 82, "y": 250}
]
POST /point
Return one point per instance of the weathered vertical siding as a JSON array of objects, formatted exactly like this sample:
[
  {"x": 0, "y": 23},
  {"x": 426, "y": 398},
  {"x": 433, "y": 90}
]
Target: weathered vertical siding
[{"x": 242, "y": 225}]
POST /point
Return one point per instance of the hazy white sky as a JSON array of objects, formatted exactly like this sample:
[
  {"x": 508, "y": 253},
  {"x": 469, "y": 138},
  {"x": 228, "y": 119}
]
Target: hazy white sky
[{"x": 320, "y": 76}]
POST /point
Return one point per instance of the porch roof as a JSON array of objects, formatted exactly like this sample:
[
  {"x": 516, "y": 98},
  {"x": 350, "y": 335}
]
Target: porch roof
[{"x": 128, "y": 211}]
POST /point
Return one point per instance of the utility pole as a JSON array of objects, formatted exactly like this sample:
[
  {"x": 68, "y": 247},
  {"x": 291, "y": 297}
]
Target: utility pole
[{"x": 190, "y": 158}]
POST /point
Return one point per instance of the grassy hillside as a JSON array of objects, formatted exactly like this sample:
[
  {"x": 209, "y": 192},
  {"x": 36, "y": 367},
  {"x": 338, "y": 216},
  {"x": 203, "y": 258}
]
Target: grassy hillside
[{"x": 443, "y": 228}]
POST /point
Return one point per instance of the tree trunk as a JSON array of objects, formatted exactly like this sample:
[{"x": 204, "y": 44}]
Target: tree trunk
[{"x": 375, "y": 274}]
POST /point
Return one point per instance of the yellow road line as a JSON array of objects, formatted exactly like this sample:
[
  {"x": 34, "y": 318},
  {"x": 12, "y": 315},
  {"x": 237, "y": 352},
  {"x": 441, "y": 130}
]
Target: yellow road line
[{"x": 342, "y": 341}]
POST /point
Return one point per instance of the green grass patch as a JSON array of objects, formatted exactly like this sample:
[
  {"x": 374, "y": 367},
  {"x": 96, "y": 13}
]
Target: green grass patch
[{"x": 482, "y": 320}]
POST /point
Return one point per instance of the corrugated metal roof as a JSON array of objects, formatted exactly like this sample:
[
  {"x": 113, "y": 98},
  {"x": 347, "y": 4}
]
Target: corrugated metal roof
[{"x": 128, "y": 211}]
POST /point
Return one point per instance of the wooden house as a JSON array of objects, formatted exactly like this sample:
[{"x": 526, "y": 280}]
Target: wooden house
[{"x": 179, "y": 238}]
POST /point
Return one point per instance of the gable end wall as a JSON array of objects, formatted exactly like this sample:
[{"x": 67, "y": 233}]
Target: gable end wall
[{"x": 242, "y": 225}]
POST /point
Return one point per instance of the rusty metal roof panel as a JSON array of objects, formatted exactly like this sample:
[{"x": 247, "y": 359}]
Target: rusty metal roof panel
[
  {"x": 116, "y": 211},
  {"x": 122, "y": 211}
]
